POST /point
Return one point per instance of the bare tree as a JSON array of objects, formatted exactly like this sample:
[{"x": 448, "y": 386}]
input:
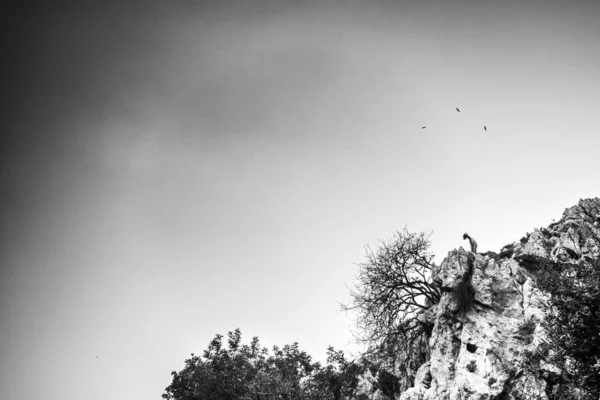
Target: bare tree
[{"x": 393, "y": 287}]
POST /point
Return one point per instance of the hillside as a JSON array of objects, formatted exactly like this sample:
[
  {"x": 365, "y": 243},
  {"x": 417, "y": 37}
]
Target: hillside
[{"x": 487, "y": 349}]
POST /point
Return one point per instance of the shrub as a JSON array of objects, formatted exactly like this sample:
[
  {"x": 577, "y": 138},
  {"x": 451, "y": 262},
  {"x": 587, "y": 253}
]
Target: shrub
[
  {"x": 570, "y": 323},
  {"x": 507, "y": 251},
  {"x": 471, "y": 366},
  {"x": 537, "y": 264},
  {"x": 526, "y": 329},
  {"x": 464, "y": 293},
  {"x": 492, "y": 255},
  {"x": 388, "y": 383},
  {"x": 250, "y": 372}
]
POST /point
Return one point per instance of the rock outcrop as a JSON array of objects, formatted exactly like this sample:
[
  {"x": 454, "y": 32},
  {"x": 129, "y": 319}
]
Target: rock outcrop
[{"x": 486, "y": 349}]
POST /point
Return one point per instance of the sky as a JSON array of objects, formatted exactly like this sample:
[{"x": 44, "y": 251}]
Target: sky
[{"x": 176, "y": 169}]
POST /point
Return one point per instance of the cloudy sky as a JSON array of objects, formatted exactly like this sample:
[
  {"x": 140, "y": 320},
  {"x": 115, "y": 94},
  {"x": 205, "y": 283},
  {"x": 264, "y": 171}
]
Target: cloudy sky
[{"x": 176, "y": 169}]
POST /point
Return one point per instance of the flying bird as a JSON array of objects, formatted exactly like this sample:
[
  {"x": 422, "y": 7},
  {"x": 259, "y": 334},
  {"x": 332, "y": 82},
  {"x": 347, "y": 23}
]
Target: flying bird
[
  {"x": 423, "y": 127},
  {"x": 457, "y": 109},
  {"x": 485, "y": 128}
]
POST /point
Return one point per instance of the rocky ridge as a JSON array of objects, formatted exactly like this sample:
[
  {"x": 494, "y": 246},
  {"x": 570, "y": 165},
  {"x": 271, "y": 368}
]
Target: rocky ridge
[{"x": 486, "y": 351}]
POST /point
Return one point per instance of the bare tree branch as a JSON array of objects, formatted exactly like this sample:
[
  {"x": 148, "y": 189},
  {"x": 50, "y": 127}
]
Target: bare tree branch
[{"x": 393, "y": 287}]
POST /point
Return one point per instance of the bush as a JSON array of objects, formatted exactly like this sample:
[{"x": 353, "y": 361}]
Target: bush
[
  {"x": 526, "y": 330},
  {"x": 507, "y": 251},
  {"x": 464, "y": 293},
  {"x": 251, "y": 372},
  {"x": 538, "y": 265},
  {"x": 571, "y": 324},
  {"x": 490, "y": 254},
  {"x": 388, "y": 383},
  {"x": 472, "y": 366}
]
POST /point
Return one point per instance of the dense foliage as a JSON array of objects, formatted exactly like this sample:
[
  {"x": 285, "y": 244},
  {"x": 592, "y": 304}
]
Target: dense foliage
[
  {"x": 252, "y": 372},
  {"x": 572, "y": 324}
]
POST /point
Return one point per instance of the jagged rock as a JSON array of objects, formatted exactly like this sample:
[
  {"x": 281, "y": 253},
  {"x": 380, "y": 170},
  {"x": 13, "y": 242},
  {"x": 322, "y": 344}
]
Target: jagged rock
[
  {"x": 590, "y": 246},
  {"x": 379, "y": 395},
  {"x": 477, "y": 354},
  {"x": 534, "y": 246},
  {"x": 422, "y": 383},
  {"x": 528, "y": 386},
  {"x": 578, "y": 232},
  {"x": 573, "y": 237},
  {"x": 533, "y": 301},
  {"x": 451, "y": 270},
  {"x": 366, "y": 384},
  {"x": 486, "y": 352},
  {"x": 569, "y": 242}
]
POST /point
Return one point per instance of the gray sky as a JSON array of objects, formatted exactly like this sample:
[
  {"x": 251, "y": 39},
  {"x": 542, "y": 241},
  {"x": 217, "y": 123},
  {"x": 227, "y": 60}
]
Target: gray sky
[{"x": 178, "y": 169}]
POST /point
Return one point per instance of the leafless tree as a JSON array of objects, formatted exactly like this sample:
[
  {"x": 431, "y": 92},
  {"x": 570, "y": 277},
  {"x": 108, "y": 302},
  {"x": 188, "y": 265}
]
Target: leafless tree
[{"x": 392, "y": 288}]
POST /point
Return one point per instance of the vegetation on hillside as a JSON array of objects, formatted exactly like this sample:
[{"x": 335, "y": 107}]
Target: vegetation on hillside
[
  {"x": 572, "y": 326},
  {"x": 392, "y": 290},
  {"x": 571, "y": 346},
  {"x": 251, "y": 372}
]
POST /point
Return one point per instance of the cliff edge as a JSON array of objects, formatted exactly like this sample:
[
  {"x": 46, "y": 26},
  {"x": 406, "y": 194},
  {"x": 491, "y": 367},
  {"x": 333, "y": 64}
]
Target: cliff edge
[{"x": 483, "y": 347}]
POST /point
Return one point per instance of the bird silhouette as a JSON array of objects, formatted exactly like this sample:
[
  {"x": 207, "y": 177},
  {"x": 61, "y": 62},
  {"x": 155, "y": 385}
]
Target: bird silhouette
[
  {"x": 457, "y": 109},
  {"x": 423, "y": 127},
  {"x": 485, "y": 128}
]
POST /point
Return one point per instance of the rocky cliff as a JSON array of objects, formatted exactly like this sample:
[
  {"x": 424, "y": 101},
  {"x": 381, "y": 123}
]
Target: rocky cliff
[{"x": 482, "y": 347}]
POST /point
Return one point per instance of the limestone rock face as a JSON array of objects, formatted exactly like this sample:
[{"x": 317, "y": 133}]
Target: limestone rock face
[
  {"x": 422, "y": 383},
  {"x": 479, "y": 354},
  {"x": 367, "y": 385},
  {"x": 569, "y": 239},
  {"x": 452, "y": 269},
  {"x": 534, "y": 246},
  {"x": 486, "y": 352}
]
